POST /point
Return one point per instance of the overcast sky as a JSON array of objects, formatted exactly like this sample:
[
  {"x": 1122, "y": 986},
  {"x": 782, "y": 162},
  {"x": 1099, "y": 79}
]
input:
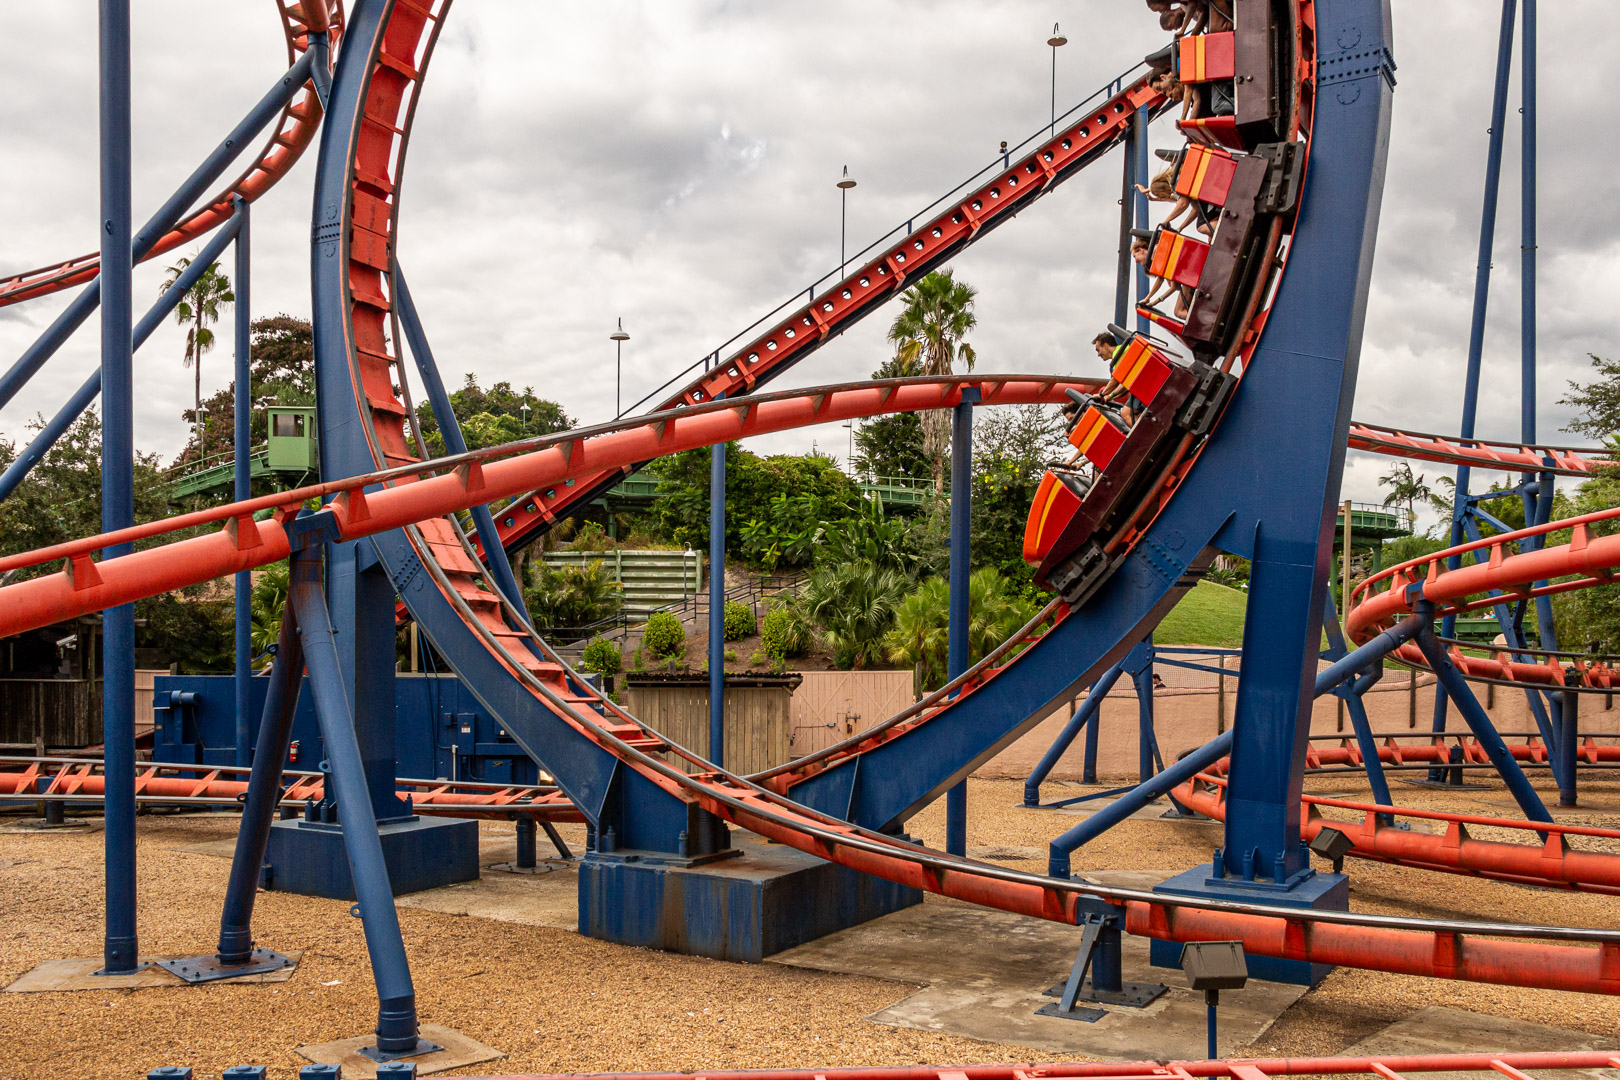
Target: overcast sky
[{"x": 673, "y": 163}]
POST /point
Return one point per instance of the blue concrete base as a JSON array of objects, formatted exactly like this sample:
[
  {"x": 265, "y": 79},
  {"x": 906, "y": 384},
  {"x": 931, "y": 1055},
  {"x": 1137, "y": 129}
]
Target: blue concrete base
[
  {"x": 1324, "y": 892},
  {"x": 308, "y": 857},
  {"x": 767, "y": 899}
]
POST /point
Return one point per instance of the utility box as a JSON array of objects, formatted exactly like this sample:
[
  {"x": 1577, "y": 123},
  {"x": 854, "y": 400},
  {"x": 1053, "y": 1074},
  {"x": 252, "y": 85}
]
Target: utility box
[{"x": 292, "y": 438}]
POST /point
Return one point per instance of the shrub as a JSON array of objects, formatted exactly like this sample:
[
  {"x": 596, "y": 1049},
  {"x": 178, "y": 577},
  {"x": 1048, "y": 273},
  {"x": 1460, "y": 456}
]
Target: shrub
[
  {"x": 569, "y": 597},
  {"x": 603, "y": 657},
  {"x": 784, "y": 634},
  {"x": 740, "y": 621},
  {"x": 663, "y": 636}
]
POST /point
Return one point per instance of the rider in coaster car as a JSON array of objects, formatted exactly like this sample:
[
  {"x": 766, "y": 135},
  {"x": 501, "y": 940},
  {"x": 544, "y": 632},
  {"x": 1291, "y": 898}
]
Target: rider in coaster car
[
  {"x": 1162, "y": 287},
  {"x": 1109, "y": 344},
  {"x": 1162, "y": 188}
]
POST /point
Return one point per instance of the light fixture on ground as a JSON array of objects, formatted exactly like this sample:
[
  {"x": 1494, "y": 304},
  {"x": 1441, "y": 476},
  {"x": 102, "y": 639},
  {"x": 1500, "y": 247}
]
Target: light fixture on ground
[
  {"x": 845, "y": 182},
  {"x": 618, "y": 337},
  {"x": 1057, "y": 39},
  {"x": 1332, "y": 845},
  {"x": 1213, "y": 966}
]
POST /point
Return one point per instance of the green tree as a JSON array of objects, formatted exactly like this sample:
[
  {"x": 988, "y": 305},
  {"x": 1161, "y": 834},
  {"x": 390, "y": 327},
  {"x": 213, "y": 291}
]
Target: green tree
[
  {"x": 567, "y": 599},
  {"x": 753, "y": 484},
  {"x": 921, "y": 632},
  {"x": 197, "y": 310},
  {"x": 282, "y": 369},
  {"x": 1011, "y": 449},
  {"x": 853, "y": 606},
  {"x": 930, "y": 334},
  {"x": 61, "y": 501},
  {"x": 892, "y": 446},
  {"x": 1598, "y": 401},
  {"x": 1407, "y": 490},
  {"x": 494, "y": 416}
]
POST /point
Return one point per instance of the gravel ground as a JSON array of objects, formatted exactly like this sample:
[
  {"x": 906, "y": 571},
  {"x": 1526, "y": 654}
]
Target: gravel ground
[{"x": 554, "y": 1001}]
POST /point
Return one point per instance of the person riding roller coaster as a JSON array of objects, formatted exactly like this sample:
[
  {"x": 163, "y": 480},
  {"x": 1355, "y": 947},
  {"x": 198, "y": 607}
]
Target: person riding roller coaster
[
  {"x": 1110, "y": 344},
  {"x": 1163, "y": 287}
]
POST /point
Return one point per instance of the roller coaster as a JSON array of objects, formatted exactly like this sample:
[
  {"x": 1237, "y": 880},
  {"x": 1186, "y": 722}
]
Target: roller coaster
[{"x": 1285, "y": 165}]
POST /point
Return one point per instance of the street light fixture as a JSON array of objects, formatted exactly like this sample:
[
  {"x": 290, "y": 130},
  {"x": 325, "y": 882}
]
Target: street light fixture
[
  {"x": 524, "y": 410},
  {"x": 618, "y": 337},
  {"x": 1057, "y": 39},
  {"x": 844, "y": 184}
]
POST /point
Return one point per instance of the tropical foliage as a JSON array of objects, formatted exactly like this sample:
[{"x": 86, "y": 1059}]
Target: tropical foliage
[
  {"x": 493, "y": 416},
  {"x": 569, "y": 599},
  {"x": 197, "y": 311},
  {"x": 922, "y": 623},
  {"x": 853, "y": 605},
  {"x": 930, "y": 338}
]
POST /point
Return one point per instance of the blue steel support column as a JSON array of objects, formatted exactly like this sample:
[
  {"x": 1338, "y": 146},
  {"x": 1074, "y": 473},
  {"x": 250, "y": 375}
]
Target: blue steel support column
[
  {"x": 1177, "y": 773},
  {"x": 717, "y": 604},
  {"x": 1474, "y": 715},
  {"x": 500, "y": 569},
  {"x": 1142, "y": 677},
  {"x": 1569, "y": 738},
  {"x": 396, "y": 1008},
  {"x": 1127, "y": 221},
  {"x": 1527, "y": 224},
  {"x": 120, "y": 948},
  {"x": 1139, "y": 148},
  {"x": 244, "y": 477},
  {"x": 1081, "y": 718},
  {"x": 1482, "y": 282},
  {"x": 263, "y": 794},
  {"x": 961, "y": 569}
]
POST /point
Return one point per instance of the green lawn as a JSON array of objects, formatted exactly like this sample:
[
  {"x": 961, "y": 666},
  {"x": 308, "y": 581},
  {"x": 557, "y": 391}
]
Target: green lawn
[{"x": 1209, "y": 615}]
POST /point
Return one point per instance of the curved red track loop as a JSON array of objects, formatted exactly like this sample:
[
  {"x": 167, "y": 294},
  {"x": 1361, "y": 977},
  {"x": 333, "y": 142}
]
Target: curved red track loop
[
  {"x": 1585, "y": 561},
  {"x": 291, "y": 135},
  {"x": 461, "y": 481},
  {"x": 1479, "y": 453},
  {"x": 1553, "y": 863},
  {"x": 803, "y": 330},
  {"x": 82, "y": 779},
  {"x": 400, "y": 51}
]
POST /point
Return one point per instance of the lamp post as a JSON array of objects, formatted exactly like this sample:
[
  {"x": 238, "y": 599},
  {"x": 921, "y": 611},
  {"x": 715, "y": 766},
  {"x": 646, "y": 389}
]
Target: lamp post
[
  {"x": 618, "y": 337},
  {"x": 1055, "y": 40},
  {"x": 850, "y": 426},
  {"x": 844, "y": 184},
  {"x": 524, "y": 411}
]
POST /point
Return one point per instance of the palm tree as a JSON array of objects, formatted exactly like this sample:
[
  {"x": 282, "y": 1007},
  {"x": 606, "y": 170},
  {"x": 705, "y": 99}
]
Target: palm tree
[
  {"x": 853, "y": 605},
  {"x": 928, "y": 335},
  {"x": 920, "y": 637},
  {"x": 196, "y": 310},
  {"x": 1406, "y": 490}
]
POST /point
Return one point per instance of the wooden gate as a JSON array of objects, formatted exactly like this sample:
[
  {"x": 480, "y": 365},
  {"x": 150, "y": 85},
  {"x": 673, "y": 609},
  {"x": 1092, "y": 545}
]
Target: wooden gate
[{"x": 830, "y": 706}]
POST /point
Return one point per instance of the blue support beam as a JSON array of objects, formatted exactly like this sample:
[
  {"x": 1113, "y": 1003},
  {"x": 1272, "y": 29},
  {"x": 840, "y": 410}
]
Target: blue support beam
[
  {"x": 161, "y": 222},
  {"x": 717, "y": 604},
  {"x": 1127, "y": 221},
  {"x": 1192, "y": 764},
  {"x": 243, "y": 471},
  {"x": 1139, "y": 151},
  {"x": 1482, "y": 293},
  {"x": 1474, "y": 715},
  {"x": 263, "y": 794},
  {"x": 396, "y": 1009},
  {"x": 90, "y": 389},
  {"x": 500, "y": 571},
  {"x": 120, "y": 945},
  {"x": 1081, "y": 718},
  {"x": 960, "y": 570}
]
